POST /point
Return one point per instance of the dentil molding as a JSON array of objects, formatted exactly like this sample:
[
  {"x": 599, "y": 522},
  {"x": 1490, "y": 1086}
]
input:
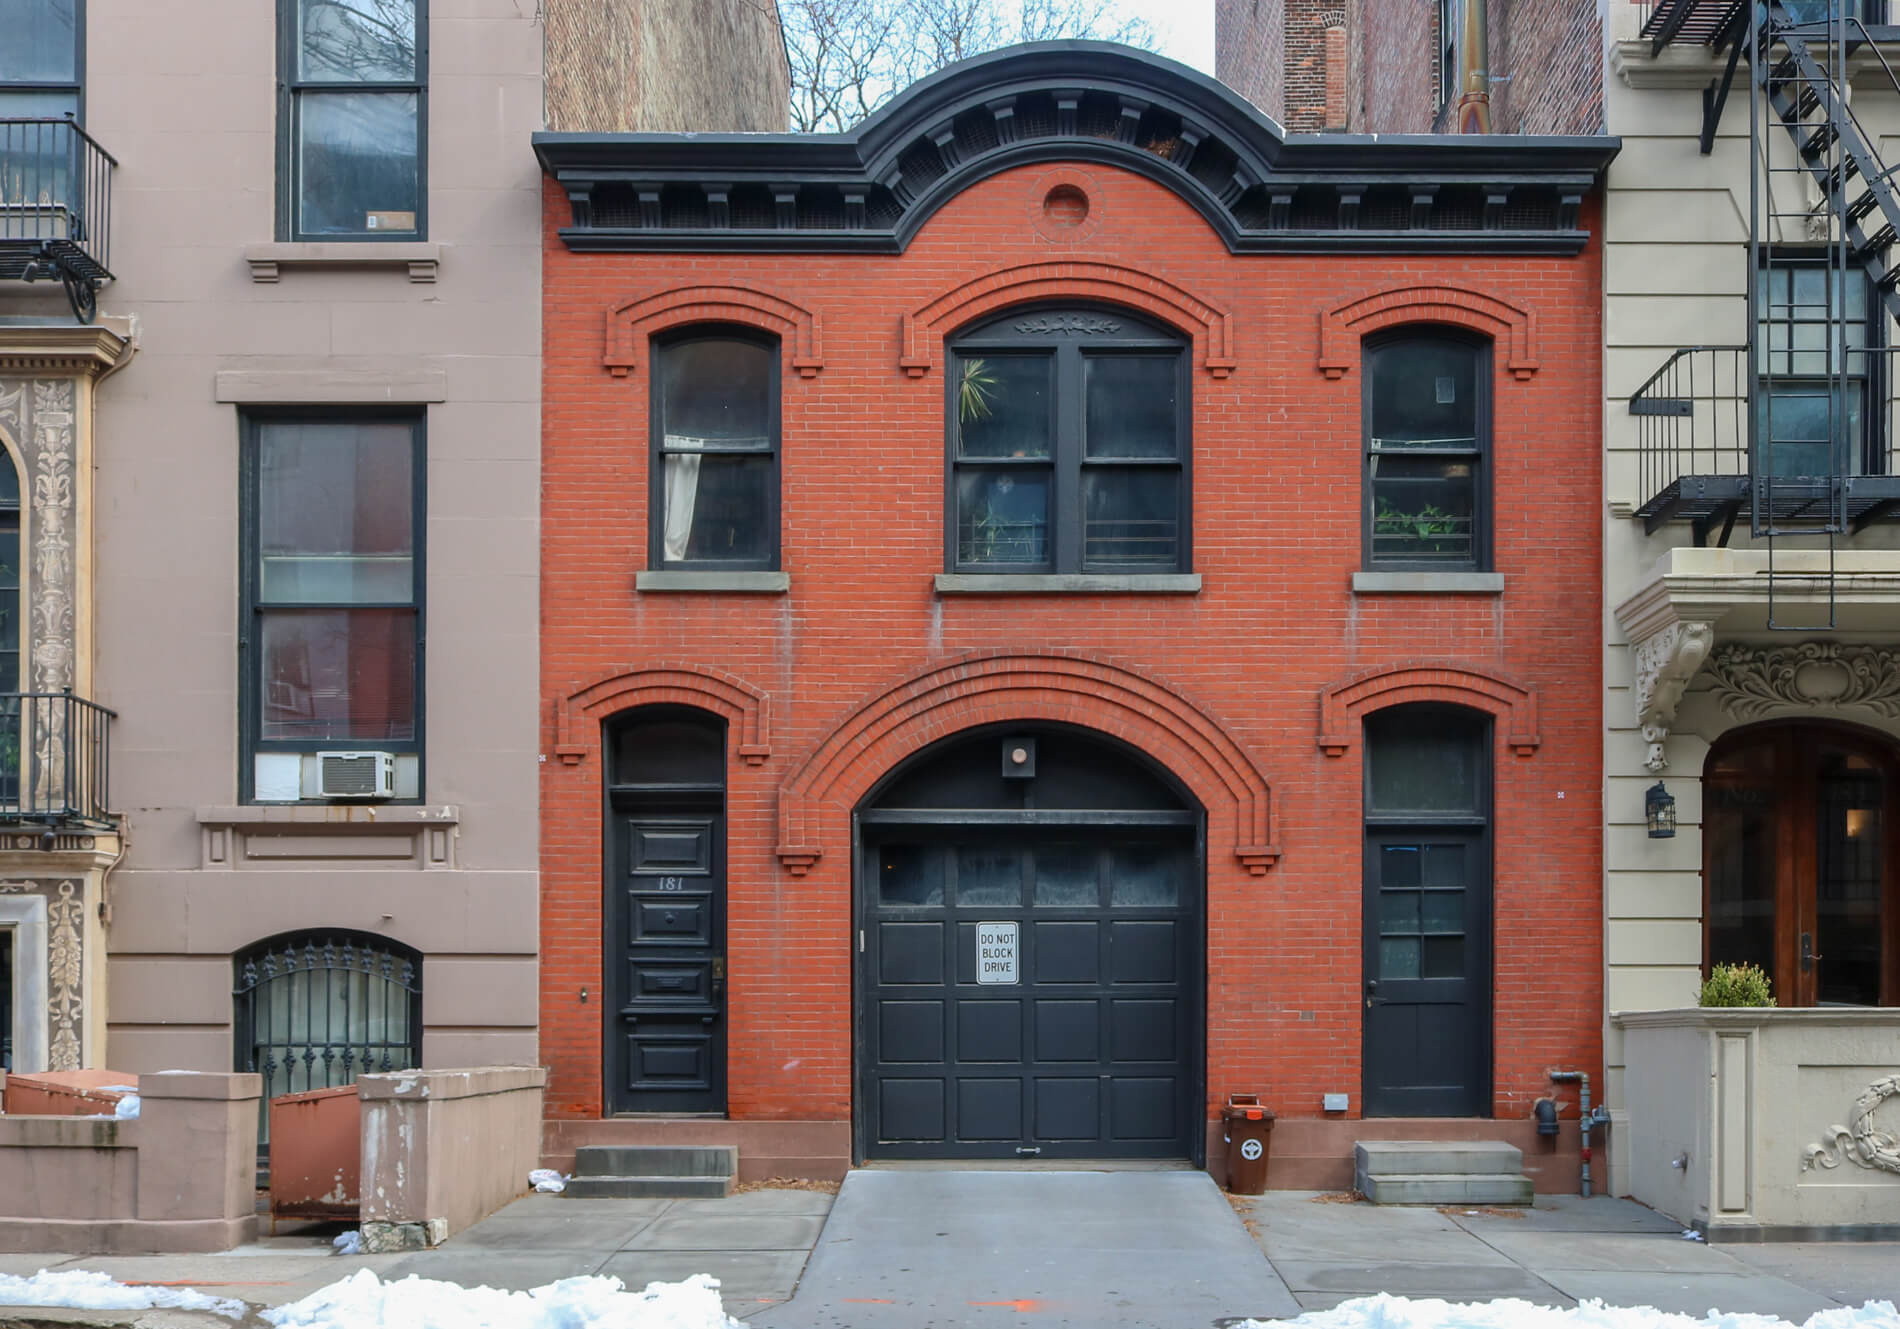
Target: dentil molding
[
  {"x": 1665, "y": 662},
  {"x": 1753, "y": 681}
]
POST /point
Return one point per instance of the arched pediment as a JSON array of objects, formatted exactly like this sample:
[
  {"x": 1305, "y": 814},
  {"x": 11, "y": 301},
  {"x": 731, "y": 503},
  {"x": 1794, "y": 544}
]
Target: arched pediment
[{"x": 872, "y": 188}]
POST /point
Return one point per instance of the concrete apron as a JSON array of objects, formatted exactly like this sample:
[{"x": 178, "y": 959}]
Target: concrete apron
[{"x": 1041, "y": 1250}]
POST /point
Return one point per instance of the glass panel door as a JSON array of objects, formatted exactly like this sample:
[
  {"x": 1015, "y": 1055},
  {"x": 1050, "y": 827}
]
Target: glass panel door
[{"x": 1849, "y": 841}]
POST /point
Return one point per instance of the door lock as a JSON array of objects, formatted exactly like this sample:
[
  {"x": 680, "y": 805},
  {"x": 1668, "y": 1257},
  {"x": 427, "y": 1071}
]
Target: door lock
[
  {"x": 1808, "y": 957},
  {"x": 718, "y": 973},
  {"x": 1372, "y": 992}
]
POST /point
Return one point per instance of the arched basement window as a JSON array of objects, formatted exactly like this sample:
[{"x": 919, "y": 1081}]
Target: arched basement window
[{"x": 317, "y": 1009}]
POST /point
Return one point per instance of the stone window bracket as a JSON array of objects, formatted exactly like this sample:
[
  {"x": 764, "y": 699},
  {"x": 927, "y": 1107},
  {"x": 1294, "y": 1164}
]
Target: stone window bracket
[{"x": 1666, "y": 661}]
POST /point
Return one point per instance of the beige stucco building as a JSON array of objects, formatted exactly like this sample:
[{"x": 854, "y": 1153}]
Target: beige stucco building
[
  {"x": 277, "y": 511},
  {"x": 1752, "y": 623}
]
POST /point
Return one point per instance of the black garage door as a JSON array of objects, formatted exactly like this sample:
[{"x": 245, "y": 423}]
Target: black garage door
[{"x": 1029, "y": 978}]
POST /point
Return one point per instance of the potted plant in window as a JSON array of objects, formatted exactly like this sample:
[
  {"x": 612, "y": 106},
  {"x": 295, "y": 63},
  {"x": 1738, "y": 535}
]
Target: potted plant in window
[{"x": 1430, "y": 532}]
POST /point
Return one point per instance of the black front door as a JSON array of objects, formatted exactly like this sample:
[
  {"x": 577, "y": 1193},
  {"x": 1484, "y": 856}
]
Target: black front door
[
  {"x": 1427, "y": 974},
  {"x": 666, "y": 957},
  {"x": 1029, "y": 993}
]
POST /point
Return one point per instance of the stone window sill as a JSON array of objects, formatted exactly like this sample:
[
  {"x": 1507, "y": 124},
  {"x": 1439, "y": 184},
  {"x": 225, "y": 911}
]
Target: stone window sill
[
  {"x": 1070, "y": 583},
  {"x": 358, "y": 817},
  {"x": 1428, "y": 583},
  {"x": 418, "y": 258},
  {"x": 730, "y": 583}
]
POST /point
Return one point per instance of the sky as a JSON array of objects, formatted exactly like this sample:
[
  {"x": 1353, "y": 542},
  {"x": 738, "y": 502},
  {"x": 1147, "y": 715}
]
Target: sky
[{"x": 1185, "y": 27}]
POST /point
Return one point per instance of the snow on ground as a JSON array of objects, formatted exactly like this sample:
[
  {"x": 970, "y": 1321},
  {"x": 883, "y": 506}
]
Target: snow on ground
[
  {"x": 362, "y": 1301},
  {"x": 1388, "y": 1312},
  {"x": 86, "y": 1289}
]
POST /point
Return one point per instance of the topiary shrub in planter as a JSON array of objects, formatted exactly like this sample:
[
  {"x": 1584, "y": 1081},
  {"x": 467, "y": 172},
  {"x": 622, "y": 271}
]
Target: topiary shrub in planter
[{"x": 1736, "y": 985}]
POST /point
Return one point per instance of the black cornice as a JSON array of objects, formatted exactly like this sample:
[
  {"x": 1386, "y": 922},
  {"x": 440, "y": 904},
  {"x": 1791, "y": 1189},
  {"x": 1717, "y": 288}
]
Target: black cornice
[{"x": 870, "y": 189}]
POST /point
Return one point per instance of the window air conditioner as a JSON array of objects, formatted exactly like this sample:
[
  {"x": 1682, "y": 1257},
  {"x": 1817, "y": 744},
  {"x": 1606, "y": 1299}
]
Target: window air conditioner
[{"x": 356, "y": 774}]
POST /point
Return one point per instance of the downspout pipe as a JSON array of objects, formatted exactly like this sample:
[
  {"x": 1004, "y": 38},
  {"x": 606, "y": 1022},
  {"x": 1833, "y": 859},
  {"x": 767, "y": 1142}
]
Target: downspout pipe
[
  {"x": 1586, "y": 1118},
  {"x": 1472, "y": 115}
]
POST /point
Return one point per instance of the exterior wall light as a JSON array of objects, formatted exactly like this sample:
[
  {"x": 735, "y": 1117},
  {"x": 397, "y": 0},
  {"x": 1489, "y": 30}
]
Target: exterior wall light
[{"x": 1659, "y": 810}]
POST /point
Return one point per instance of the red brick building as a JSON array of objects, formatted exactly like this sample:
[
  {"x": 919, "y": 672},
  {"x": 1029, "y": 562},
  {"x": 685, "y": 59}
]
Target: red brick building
[{"x": 1060, "y": 605}]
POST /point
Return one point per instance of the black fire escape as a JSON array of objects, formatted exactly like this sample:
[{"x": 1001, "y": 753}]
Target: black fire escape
[
  {"x": 56, "y": 208},
  {"x": 1796, "y": 426}
]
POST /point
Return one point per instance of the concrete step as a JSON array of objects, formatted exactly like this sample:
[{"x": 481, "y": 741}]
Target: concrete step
[
  {"x": 1450, "y": 1188},
  {"x": 1400, "y": 1158},
  {"x": 628, "y": 1188},
  {"x": 618, "y": 1160}
]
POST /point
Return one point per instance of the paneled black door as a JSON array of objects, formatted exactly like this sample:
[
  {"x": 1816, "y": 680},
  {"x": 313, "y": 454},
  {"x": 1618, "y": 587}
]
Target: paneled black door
[
  {"x": 1029, "y": 994},
  {"x": 1427, "y": 974},
  {"x": 666, "y": 960}
]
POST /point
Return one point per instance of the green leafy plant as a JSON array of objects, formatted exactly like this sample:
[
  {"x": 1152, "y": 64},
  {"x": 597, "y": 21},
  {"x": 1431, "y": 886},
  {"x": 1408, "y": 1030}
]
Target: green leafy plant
[
  {"x": 1427, "y": 521},
  {"x": 976, "y": 391},
  {"x": 1736, "y": 985}
]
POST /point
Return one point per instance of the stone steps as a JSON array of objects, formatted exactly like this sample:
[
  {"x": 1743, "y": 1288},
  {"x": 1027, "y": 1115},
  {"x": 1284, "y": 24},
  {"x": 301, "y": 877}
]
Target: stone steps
[
  {"x": 630, "y": 1171},
  {"x": 1441, "y": 1172}
]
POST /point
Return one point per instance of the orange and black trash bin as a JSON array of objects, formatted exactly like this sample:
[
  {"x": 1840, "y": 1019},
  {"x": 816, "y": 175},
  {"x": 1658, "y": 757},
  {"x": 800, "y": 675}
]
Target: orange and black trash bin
[{"x": 1247, "y": 1127}]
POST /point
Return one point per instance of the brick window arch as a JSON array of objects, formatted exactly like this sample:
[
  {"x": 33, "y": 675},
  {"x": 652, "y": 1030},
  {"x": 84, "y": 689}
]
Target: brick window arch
[{"x": 1344, "y": 705}]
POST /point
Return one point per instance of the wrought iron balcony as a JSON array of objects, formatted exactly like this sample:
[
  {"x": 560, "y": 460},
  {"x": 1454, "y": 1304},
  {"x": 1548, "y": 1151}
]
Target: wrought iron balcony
[
  {"x": 56, "y": 208},
  {"x": 1714, "y": 438},
  {"x": 55, "y": 760}
]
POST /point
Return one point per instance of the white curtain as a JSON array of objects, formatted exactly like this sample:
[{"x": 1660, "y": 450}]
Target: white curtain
[{"x": 682, "y": 493}]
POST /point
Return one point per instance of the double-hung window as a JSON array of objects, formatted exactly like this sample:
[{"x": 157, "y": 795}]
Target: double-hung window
[
  {"x": 1068, "y": 445},
  {"x": 352, "y": 119},
  {"x": 715, "y": 427},
  {"x": 1815, "y": 331},
  {"x": 1427, "y": 413},
  {"x": 333, "y": 579},
  {"x": 40, "y": 47}
]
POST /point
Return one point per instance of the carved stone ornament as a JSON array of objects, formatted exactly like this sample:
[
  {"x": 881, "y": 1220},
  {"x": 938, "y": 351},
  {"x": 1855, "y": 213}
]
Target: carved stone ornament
[
  {"x": 1752, "y": 681},
  {"x": 1075, "y": 324},
  {"x": 1862, "y": 1144},
  {"x": 1665, "y": 662}
]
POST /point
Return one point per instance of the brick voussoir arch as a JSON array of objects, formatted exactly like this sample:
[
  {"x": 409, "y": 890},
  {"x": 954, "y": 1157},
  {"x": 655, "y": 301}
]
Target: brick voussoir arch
[
  {"x": 746, "y": 709},
  {"x": 1106, "y": 282},
  {"x": 1344, "y": 704},
  {"x": 1002, "y": 687},
  {"x": 630, "y": 324},
  {"x": 1343, "y": 326}
]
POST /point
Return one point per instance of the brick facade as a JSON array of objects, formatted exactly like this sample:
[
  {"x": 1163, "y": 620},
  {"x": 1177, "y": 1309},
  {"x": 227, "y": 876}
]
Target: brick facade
[{"x": 1250, "y": 692}]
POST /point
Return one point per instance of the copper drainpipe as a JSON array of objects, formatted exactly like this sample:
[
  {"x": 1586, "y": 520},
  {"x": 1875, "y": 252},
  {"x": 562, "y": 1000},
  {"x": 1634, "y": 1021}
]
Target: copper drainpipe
[{"x": 1472, "y": 114}]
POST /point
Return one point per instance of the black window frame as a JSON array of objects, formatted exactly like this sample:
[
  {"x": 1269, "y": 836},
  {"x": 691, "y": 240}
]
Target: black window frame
[
  {"x": 1482, "y": 505},
  {"x": 1871, "y": 448},
  {"x": 290, "y": 88},
  {"x": 1447, "y": 22},
  {"x": 1068, "y": 409},
  {"x": 252, "y": 608},
  {"x": 77, "y": 87},
  {"x": 672, "y": 340}
]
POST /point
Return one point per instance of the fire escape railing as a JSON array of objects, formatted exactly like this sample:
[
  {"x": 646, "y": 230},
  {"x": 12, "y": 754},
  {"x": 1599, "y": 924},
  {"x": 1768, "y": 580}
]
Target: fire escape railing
[
  {"x": 56, "y": 208},
  {"x": 55, "y": 760}
]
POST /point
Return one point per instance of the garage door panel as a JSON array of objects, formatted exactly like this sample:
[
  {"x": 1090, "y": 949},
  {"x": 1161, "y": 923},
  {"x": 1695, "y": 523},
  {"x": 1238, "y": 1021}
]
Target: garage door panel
[
  {"x": 910, "y": 1031},
  {"x": 1143, "y": 1030},
  {"x": 1068, "y": 1031},
  {"x": 990, "y": 1031},
  {"x": 1067, "y": 952},
  {"x": 910, "y": 953},
  {"x": 1144, "y": 1108},
  {"x": 1068, "y": 1108},
  {"x": 911, "y": 1109},
  {"x": 1142, "y": 951},
  {"x": 990, "y": 1109}
]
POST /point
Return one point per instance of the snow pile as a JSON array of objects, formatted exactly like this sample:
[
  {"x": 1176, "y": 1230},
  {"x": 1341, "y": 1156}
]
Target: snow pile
[
  {"x": 362, "y": 1301},
  {"x": 86, "y": 1289},
  {"x": 1389, "y": 1312},
  {"x": 127, "y": 1108}
]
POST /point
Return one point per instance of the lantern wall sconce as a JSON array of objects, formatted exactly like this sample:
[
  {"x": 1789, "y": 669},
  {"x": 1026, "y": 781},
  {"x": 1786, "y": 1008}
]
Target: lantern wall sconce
[{"x": 1659, "y": 810}]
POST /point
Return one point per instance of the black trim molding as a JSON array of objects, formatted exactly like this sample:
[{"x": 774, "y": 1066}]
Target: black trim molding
[{"x": 869, "y": 190}]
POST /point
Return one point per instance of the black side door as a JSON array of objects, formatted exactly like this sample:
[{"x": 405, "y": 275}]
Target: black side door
[
  {"x": 1427, "y": 973},
  {"x": 666, "y": 958}
]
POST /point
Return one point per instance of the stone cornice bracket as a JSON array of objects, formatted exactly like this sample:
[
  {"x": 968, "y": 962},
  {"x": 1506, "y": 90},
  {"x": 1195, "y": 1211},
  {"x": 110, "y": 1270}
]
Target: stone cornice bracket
[
  {"x": 629, "y": 325},
  {"x": 746, "y": 710},
  {"x": 32, "y": 350},
  {"x": 1342, "y": 327},
  {"x": 1753, "y": 681},
  {"x": 921, "y": 333},
  {"x": 1665, "y": 662}
]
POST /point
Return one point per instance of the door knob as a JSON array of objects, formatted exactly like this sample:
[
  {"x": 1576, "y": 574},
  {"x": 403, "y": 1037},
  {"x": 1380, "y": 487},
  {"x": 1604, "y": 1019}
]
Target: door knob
[
  {"x": 1808, "y": 957},
  {"x": 1372, "y": 991}
]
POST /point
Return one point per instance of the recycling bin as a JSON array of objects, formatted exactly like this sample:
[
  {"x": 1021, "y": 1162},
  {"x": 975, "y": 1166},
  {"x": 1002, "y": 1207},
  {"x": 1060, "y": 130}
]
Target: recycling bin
[{"x": 1247, "y": 1127}]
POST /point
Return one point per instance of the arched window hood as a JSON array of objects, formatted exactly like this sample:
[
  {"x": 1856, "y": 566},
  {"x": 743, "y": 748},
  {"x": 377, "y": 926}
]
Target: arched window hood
[{"x": 1263, "y": 191}]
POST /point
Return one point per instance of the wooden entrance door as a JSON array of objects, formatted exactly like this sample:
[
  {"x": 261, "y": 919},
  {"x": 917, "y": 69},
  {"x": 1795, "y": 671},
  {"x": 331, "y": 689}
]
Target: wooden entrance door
[{"x": 1799, "y": 839}]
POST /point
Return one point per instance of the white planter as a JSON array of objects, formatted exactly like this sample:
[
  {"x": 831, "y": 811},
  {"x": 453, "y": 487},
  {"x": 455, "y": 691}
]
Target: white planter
[{"x": 1757, "y": 1123}]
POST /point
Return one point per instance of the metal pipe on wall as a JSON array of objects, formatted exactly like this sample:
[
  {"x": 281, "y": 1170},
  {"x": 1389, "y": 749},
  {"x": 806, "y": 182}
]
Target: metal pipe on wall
[{"x": 1472, "y": 115}]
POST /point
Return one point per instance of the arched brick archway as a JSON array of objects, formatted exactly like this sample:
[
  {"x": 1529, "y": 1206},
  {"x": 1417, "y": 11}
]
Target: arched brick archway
[
  {"x": 1344, "y": 704},
  {"x": 816, "y": 799},
  {"x": 746, "y": 710}
]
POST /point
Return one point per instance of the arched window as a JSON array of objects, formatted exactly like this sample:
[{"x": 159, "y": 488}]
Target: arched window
[
  {"x": 317, "y": 1009},
  {"x": 715, "y": 431},
  {"x": 1067, "y": 432},
  {"x": 1427, "y": 426},
  {"x": 1799, "y": 837}
]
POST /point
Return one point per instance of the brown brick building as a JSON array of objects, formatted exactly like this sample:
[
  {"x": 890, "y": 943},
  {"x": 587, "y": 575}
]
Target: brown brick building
[{"x": 1051, "y": 615}]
